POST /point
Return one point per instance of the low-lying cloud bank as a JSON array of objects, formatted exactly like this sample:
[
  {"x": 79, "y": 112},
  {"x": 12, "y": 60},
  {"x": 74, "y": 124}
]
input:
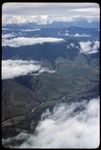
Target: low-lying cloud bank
[
  {"x": 89, "y": 47},
  {"x": 15, "y": 68},
  {"x": 23, "y": 41},
  {"x": 73, "y": 125}
]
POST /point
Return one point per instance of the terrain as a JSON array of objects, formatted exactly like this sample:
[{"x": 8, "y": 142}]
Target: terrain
[{"x": 76, "y": 75}]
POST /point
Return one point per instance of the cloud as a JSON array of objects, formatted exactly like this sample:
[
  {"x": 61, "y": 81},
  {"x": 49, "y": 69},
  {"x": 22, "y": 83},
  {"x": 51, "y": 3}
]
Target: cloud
[
  {"x": 40, "y": 20},
  {"x": 74, "y": 125},
  {"x": 43, "y": 19},
  {"x": 93, "y": 10},
  {"x": 74, "y": 35},
  {"x": 49, "y": 8},
  {"x": 96, "y": 45},
  {"x": 30, "y": 30},
  {"x": 9, "y": 35},
  {"x": 46, "y": 70},
  {"x": 66, "y": 129},
  {"x": 85, "y": 46},
  {"x": 15, "y": 68},
  {"x": 16, "y": 12},
  {"x": 71, "y": 44},
  {"x": 89, "y": 47},
  {"x": 6, "y": 28},
  {"x": 66, "y": 34},
  {"x": 81, "y": 35},
  {"x": 23, "y": 41}
]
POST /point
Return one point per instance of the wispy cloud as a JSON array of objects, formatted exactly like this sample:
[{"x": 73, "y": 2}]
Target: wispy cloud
[{"x": 23, "y": 41}]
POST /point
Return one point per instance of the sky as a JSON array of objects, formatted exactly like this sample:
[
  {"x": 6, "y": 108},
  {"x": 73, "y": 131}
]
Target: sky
[{"x": 64, "y": 10}]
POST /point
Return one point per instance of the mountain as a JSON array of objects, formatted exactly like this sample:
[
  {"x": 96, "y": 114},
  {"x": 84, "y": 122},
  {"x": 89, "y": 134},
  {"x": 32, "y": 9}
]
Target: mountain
[
  {"x": 49, "y": 51},
  {"x": 48, "y": 22},
  {"x": 17, "y": 99},
  {"x": 26, "y": 97},
  {"x": 72, "y": 51}
]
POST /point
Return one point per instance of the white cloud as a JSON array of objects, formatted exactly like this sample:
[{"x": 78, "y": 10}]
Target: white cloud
[
  {"x": 81, "y": 35},
  {"x": 85, "y": 46},
  {"x": 23, "y": 41},
  {"x": 72, "y": 44},
  {"x": 46, "y": 70},
  {"x": 5, "y": 28},
  {"x": 96, "y": 45},
  {"x": 9, "y": 35},
  {"x": 74, "y": 125},
  {"x": 68, "y": 10},
  {"x": 89, "y": 47},
  {"x": 29, "y": 30},
  {"x": 90, "y": 10},
  {"x": 75, "y": 35},
  {"x": 25, "y": 19},
  {"x": 42, "y": 19},
  {"x": 67, "y": 34},
  {"x": 64, "y": 129},
  {"x": 15, "y": 68}
]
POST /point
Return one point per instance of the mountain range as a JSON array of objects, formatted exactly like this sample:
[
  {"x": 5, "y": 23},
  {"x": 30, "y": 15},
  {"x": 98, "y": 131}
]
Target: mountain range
[{"x": 68, "y": 56}]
